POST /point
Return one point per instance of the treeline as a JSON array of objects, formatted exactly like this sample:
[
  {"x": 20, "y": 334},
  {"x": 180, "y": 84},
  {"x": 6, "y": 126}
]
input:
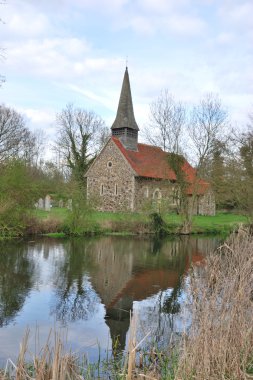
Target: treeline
[
  {"x": 25, "y": 174},
  {"x": 203, "y": 134},
  {"x": 221, "y": 153}
]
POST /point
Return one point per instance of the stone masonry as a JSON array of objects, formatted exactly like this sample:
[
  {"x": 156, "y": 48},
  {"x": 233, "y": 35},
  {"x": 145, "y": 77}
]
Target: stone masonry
[{"x": 110, "y": 181}]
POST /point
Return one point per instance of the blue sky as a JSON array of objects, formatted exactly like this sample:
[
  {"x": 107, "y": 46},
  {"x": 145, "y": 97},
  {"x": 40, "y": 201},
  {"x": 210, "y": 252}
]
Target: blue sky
[{"x": 61, "y": 51}]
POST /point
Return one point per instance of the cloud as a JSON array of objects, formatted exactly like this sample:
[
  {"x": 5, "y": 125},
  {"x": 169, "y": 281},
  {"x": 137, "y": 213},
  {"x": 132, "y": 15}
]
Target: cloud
[
  {"x": 53, "y": 57},
  {"x": 186, "y": 24},
  {"x": 225, "y": 38},
  {"x": 40, "y": 119},
  {"x": 25, "y": 25},
  {"x": 91, "y": 95},
  {"x": 142, "y": 25},
  {"x": 237, "y": 14},
  {"x": 76, "y": 51},
  {"x": 22, "y": 21},
  {"x": 38, "y": 116}
]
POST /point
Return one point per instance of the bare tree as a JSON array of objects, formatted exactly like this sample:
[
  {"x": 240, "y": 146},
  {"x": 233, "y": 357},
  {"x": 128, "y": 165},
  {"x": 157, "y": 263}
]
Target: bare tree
[
  {"x": 207, "y": 127},
  {"x": 240, "y": 171},
  {"x": 13, "y": 133},
  {"x": 78, "y": 138},
  {"x": 167, "y": 119}
]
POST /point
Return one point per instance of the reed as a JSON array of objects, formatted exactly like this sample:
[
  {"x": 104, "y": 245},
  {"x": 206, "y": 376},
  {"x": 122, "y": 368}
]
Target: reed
[
  {"x": 51, "y": 363},
  {"x": 219, "y": 344}
]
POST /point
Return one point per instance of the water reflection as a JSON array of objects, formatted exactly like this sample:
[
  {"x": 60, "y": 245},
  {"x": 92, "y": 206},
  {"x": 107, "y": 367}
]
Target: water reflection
[
  {"x": 16, "y": 280},
  {"x": 75, "y": 296},
  {"x": 93, "y": 284}
]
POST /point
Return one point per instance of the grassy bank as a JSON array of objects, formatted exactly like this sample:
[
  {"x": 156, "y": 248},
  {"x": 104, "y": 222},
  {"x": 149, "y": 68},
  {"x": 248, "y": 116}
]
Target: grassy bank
[
  {"x": 56, "y": 220},
  {"x": 217, "y": 345}
]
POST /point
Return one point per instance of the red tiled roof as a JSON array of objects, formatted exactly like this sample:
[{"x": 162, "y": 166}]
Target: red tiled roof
[{"x": 152, "y": 162}]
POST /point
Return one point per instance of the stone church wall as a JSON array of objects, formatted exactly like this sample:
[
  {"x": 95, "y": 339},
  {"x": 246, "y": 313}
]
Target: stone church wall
[
  {"x": 110, "y": 181},
  {"x": 206, "y": 204},
  {"x": 112, "y": 186},
  {"x": 158, "y": 194},
  {"x": 154, "y": 194}
]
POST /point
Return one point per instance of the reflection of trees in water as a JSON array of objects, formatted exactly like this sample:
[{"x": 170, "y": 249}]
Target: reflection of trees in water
[
  {"x": 164, "y": 262},
  {"x": 75, "y": 297},
  {"x": 160, "y": 314},
  {"x": 16, "y": 280},
  {"x": 78, "y": 302}
]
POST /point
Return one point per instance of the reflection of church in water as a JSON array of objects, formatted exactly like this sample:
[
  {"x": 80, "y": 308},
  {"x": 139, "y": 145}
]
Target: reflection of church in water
[{"x": 145, "y": 268}]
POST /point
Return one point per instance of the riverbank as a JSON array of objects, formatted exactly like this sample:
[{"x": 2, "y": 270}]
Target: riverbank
[
  {"x": 55, "y": 223},
  {"x": 61, "y": 222}
]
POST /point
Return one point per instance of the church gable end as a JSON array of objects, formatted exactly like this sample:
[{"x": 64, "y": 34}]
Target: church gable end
[{"x": 110, "y": 181}]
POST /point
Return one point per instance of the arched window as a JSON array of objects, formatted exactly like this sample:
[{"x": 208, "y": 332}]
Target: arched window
[
  {"x": 146, "y": 192},
  {"x": 157, "y": 195},
  {"x": 157, "y": 198}
]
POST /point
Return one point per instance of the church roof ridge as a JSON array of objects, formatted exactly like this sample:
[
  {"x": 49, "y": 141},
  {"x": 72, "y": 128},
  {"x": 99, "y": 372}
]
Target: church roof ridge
[
  {"x": 125, "y": 114},
  {"x": 152, "y": 146},
  {"x": 152, "y": 162}
]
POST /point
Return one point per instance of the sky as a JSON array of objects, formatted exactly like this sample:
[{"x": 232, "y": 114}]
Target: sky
[{"x": 75, "y": 51}]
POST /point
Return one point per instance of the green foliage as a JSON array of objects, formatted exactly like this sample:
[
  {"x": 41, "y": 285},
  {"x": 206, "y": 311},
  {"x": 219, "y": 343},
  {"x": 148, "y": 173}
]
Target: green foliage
[
  {"x": 18, "y": 193},
  {"x": 80, "y": 219},
  {"x": 176, "y": 162},
  {"x": 138, "y": 223},
  {"x": 158, "y": 224}
]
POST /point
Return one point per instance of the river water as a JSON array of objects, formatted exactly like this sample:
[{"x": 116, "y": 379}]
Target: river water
[{"x": 87, "y": 288}]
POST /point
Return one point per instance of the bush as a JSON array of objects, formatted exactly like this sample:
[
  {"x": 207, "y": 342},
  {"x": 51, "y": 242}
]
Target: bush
[
  {"x": 159, "y": 226},
  {"x": 18, "y": 192}
]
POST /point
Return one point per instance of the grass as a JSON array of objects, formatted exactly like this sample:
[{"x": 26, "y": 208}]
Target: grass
[
  {"x": 221, "y": 222},
  {"x": 55, "y": 234},
  {"x": 132, "y": 223},
  {"x": 55, "y": 212}
]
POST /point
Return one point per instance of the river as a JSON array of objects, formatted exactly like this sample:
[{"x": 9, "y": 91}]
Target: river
[{"x": 87, "y": 288}]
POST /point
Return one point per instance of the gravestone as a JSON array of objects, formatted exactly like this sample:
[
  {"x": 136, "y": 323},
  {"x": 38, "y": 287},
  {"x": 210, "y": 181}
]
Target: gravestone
[
  {"x": 61, "y": 203},
  {"x": 69, "y": 204},
  {"x": 47, "y": 203},
  {"x": 40, "y": 204}
]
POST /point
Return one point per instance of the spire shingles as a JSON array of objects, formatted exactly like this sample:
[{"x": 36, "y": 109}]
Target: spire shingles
[{"x": 125, "y": 114}]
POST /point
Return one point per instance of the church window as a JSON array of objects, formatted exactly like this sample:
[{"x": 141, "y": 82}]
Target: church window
[
  {"x": 157, "y": 198},
  {"x": 157, "y": 195},
  {"x": 109, "y": 164},
  {"x": 131, "y": 133},
  {"x": 118, "y": 132},
  {"x": 146, "y": 192},
  {"x": 116, "y": 189},
  {"x": 102, "y": 189}
]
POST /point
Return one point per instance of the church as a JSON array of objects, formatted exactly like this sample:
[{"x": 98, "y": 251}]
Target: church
[{"x": 130, "y": 176}]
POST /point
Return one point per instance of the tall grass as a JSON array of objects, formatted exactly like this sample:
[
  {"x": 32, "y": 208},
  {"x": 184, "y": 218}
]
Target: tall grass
[
  {"x": 51, "y": 363},
  {"x": 219, "y": 344}
]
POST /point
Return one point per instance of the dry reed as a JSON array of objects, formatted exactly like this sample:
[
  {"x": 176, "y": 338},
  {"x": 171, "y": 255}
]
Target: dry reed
[
  {"x": 52, "y": 363},
  {"x": 219, "y": 344}
]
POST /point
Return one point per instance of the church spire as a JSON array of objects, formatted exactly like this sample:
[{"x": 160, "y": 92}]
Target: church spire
[{"x": 125, "y": 126}]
